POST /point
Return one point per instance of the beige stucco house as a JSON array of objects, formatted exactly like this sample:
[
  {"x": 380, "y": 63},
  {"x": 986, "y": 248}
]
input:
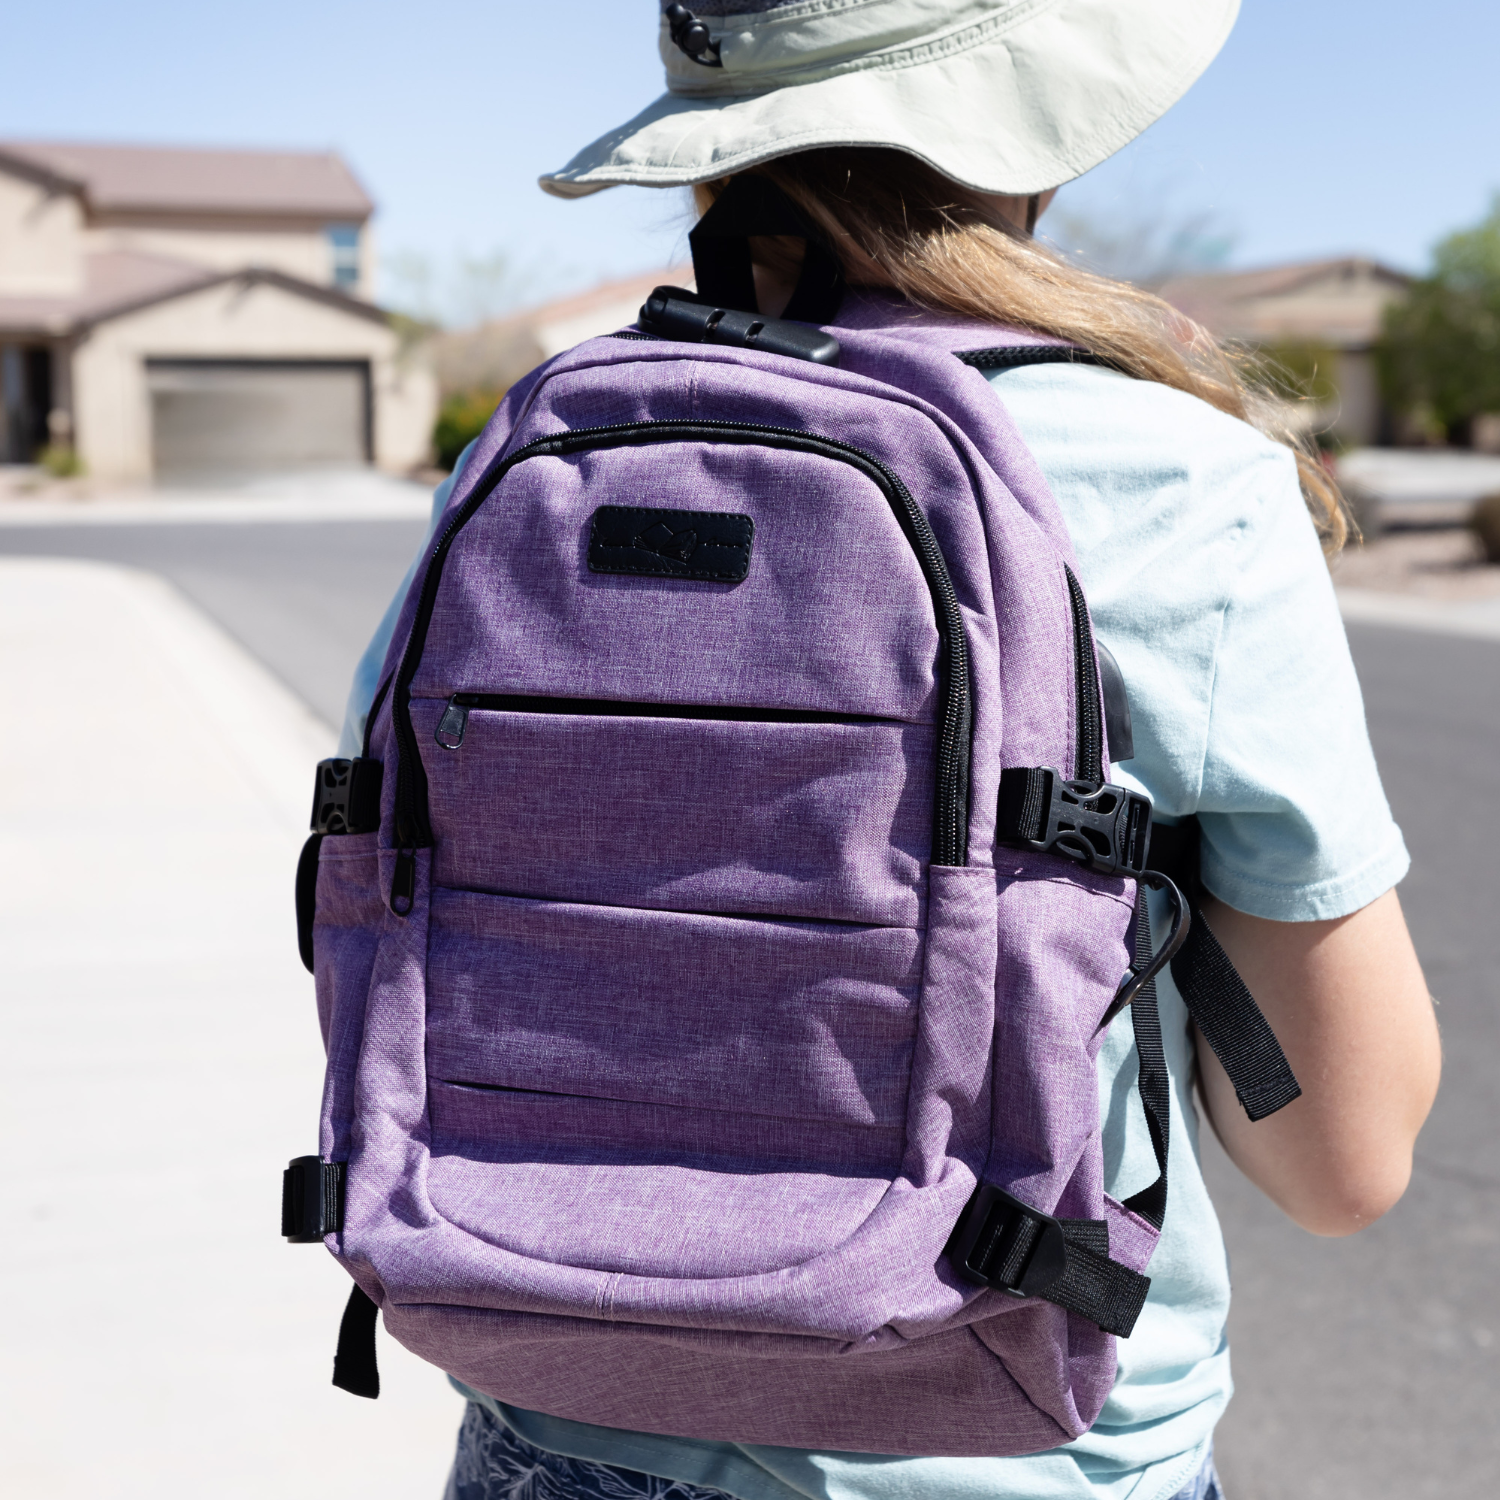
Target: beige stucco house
[
  {"x": 181, "y": 313},
  {"x": 1332, "y": 307},
  {"x": 493, "y": 356}
]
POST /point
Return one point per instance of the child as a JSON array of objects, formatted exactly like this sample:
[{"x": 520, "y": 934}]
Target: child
[{"x": 924, "y": 140}]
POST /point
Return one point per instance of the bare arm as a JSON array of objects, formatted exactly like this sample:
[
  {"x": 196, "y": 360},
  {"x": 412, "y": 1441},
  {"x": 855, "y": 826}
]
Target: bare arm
[{"x": 1347, "y": 1000}]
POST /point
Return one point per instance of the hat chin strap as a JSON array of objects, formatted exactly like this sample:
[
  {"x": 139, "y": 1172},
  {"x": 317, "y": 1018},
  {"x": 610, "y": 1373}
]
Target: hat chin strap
[{"x": 752, "y": 205}]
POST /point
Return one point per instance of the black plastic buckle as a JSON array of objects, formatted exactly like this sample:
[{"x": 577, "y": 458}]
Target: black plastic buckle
[
  {"x": 673, "y": 313},
  {"x": 312, "y": 1199},
  {"x": 346, "y": 796},
  {"x": 1002, "y": 1243},
  {"x": 1106, "y": 827}
]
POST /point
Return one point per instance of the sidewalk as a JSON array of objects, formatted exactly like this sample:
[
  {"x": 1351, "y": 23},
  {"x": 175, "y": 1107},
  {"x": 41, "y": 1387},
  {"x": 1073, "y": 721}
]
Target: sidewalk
[
  {"x": 1479, "y": 619},
  {"x": 161, "y": 1062},
  {"x": 337, "y": 495}
]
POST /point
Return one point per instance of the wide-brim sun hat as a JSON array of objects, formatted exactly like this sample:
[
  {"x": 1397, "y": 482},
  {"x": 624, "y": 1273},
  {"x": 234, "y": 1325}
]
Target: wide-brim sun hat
[{"x": 1004, "y": 96}]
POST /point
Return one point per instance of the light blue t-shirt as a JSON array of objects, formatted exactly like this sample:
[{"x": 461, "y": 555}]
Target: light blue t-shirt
[{"x": 1205, "y": 580}]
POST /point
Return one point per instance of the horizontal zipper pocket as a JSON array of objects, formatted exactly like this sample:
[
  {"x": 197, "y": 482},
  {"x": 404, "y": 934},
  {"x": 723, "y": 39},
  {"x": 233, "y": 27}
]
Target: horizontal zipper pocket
[
  {"x": 454, "y": 722},
  {"x": 950, "y": 840}
]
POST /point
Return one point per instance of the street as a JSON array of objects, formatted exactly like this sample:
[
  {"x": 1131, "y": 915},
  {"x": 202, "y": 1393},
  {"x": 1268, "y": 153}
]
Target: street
[{"x": 1364, "y": 1368}]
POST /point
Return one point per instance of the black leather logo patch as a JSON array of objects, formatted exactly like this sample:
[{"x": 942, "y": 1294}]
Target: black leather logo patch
[{"x": 711, "y": 545}]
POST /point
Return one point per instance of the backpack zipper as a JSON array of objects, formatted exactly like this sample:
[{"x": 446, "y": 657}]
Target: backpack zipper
[
  {"x": 1014, "y": 356},
  {"x": 370, "y": 717},
  {"x": 1088, "y": 758},
  {"x": 450, "y": 729},
  {"x": 955, "y": 719}
]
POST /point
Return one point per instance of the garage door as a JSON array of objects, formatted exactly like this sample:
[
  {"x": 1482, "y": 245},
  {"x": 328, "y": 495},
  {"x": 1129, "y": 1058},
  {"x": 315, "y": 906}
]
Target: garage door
[{"x": 219, "y": 419}]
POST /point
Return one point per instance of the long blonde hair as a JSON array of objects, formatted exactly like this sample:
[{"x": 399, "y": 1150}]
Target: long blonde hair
[{"x": 895, "y": 221}]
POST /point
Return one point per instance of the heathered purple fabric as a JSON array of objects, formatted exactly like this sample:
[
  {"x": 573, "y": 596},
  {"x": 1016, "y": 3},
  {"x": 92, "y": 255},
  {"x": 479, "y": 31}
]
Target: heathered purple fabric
[
  {"x": 810, "y": 1021},
  {"x": 662, "y": 1102},
  {"x": 859, "y": 796}
]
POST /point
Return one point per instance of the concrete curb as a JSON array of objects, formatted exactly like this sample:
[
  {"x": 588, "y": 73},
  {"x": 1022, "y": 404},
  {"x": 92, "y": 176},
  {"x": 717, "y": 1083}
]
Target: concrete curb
[
  {"x": 1478, "y": 619},
  {"x": 375, "y": 499}
]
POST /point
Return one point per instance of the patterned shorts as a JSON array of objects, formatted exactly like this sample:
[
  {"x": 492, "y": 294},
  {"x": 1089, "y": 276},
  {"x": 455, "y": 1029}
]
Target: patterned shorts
[{"x": 494, "y": 1464}]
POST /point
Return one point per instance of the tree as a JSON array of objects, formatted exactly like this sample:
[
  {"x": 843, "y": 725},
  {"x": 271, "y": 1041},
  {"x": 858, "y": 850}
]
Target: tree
[{"x": 1439, "y": 355}]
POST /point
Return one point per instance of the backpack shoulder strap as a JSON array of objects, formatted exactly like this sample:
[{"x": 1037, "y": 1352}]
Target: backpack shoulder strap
[{"x": 1216, "y": 997}]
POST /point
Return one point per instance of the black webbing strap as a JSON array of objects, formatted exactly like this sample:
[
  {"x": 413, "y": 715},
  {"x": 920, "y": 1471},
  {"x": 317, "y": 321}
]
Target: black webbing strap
[
  {"x": 1096, "y": 1287},
  {"x": 1153, "y": 1082},
  {"x": 1216, "y": 997},
  {"x": 354, "y": 1368},
  {"x": 1233, "y": 1024},
  {"x": 312, "y": 1199},
  {"x": 1174, "y": 851},
  {"x": 720, "y": 241},
  {"x": 1090, "y": 1234},
  {"x": 1025, "y": 794},
  {"x": 1003, "y": 1243}
]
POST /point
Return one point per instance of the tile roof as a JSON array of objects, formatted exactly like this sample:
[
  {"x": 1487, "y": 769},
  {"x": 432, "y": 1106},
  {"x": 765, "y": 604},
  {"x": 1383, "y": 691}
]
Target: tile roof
[
  {"x": 500, "y": 351},
  {"x": 605, "y": 296},
  {"x": 183, "y": 179},
  {"x": 118, "y": 281},
  {"x": 1337, "y": 300},
  {"x": 112, "y": 279}
]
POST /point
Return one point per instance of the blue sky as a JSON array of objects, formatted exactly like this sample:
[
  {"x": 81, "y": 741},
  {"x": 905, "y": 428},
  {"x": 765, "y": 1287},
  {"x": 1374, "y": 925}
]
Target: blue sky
[{"x": 1325, "y": 126}]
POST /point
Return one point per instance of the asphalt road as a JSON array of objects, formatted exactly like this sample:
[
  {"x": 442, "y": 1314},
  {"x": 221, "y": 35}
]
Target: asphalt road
[{"x": 1368, "y": 1368}]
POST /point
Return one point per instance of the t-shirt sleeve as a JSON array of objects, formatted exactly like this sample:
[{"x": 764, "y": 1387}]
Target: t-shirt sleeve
[
  {"x": 1295, "y": 822},
  {"x": 1206, "y": 581}
]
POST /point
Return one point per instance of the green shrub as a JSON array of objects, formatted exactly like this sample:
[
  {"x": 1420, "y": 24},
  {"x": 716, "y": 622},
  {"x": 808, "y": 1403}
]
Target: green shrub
[
  {"x": 1484, "y": 521},
  {"x": 1302, "y": 370},
  {"x": 60, "y": 461},
  {"x": 460, "y": 420}
]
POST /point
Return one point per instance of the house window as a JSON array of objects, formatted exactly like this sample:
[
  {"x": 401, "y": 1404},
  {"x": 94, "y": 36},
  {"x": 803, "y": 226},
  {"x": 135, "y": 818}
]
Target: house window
[{"x": 343, "y": 247}]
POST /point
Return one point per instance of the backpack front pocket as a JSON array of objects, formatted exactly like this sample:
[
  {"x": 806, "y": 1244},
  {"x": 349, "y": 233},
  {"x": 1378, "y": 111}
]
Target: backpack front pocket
[
  {"x": 794, "y": 1020},
  {"x": 681, "y": 808},
  {"x": 604, "y": 1081}
]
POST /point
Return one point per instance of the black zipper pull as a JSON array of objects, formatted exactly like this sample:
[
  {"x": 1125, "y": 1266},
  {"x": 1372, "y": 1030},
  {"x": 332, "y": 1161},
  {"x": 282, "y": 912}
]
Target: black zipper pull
[
  {"x": 404, "y": 882},
  {"x": 450, "y": 729}
]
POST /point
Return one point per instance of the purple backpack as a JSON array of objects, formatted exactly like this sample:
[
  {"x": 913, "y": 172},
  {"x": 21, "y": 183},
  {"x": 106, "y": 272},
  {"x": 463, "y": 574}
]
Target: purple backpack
[{"x": 715, "y": 939}]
